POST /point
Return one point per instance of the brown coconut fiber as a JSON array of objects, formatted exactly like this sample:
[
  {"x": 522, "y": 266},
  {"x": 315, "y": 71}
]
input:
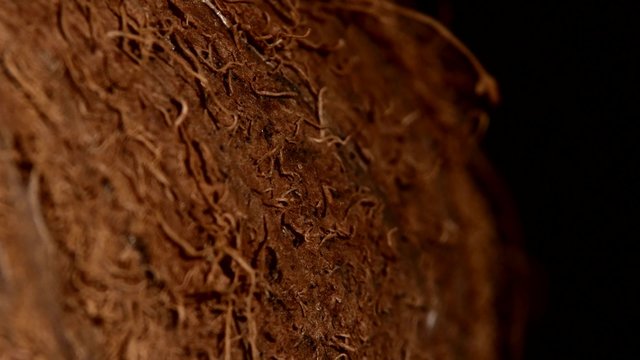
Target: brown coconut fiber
[{"x": 248, "y": 179}]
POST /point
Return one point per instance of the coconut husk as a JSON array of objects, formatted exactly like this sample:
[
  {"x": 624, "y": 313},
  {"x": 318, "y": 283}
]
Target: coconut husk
[{"x": 252, "y": 179}]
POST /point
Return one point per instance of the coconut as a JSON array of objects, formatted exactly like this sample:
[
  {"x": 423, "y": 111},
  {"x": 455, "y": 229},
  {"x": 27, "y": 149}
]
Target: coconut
[{"x": 242, "y": 179}]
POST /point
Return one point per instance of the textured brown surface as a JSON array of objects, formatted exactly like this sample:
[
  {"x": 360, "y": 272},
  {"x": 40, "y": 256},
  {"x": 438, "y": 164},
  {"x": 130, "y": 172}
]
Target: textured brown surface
[{"x": 240, "y": 179}]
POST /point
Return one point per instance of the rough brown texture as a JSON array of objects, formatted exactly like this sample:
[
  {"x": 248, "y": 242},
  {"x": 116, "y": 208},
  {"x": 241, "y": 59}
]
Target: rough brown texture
[{"x": 240, "y": 179}]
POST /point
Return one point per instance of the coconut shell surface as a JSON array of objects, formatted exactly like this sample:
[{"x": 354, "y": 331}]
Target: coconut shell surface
[{"x": 241, "y": 180}]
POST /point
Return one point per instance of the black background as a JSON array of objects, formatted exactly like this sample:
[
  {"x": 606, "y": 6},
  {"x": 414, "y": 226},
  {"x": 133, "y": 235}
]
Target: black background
[{"x": 565, "y": 140}]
